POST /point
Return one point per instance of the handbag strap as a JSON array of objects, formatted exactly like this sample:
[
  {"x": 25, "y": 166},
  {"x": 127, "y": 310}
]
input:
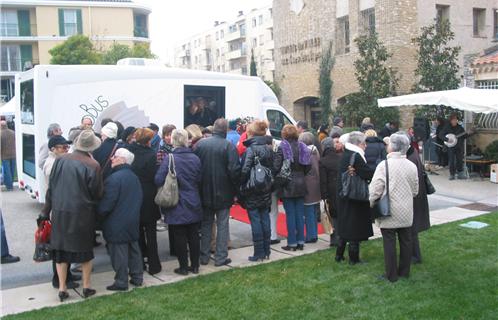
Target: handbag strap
[
  {"x": 351, "y": 160},
  {"x": 171, "y": 164},
  {"x": 110, "y": 156},
  {"x": 387, "y": 181}
]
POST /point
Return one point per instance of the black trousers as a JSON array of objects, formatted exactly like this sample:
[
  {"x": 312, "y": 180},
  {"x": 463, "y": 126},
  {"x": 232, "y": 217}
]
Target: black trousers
[
  {"x": 148, "y": 246},
  {"x": 455, "y": 159},
  {"x": 442, "y": 156},
  {"x": 416, "y": 254},
  {"x": 393, "y": 270},
  {"x": 187, "y": 241},
  {"x": 353, "y": 250}
]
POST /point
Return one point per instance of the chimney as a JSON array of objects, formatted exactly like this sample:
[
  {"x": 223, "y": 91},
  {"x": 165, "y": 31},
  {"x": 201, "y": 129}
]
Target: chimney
[
  {"x": 241, "y": 13},
  {"x": 216, "y": 23}
]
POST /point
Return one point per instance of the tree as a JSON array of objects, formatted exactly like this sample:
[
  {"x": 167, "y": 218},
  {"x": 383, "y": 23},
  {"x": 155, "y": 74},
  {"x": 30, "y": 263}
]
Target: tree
[
  {"x": 274, "y": 87},
  {"x": 77, "y": 49},
  {"x": 376, "y": 80},
  {"x": 437, "y": 63},
  {"x": 142, "y": 50},
  {"x": 253, "y": 71},
  {"x": 115, "y": 53},
  {"x": 325, "y": 83}
]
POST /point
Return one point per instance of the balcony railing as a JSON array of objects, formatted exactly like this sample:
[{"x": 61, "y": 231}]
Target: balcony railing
[
  {"x": 141, "y": 32},
  {"x": 15, "y": 65},
  {"x": 16, "y": 30}
]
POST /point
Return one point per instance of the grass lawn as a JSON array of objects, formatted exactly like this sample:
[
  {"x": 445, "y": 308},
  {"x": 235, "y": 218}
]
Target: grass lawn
[{"x": 458, "y": 280}]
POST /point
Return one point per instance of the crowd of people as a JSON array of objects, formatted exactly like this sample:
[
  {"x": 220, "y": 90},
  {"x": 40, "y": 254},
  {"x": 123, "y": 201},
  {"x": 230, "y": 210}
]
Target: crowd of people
[{"x": 109, "y": 181}]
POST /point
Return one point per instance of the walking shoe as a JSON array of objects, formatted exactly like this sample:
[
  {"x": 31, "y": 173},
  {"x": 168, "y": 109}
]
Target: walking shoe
[
  {"x": 224, "y": 263},
  {"x": 300, "y": 247},
  {"x": 180, "y": 271},
  {"x": 289, "y": 248},
  {"x": 452, "y": 177},
  {"x": 255, "y": 259},
  {"x": 194, "y": 270},
  {"x": 204, "y": 263},
  {"x": 136, "y": 283},
  {"x": 87, "y": 292},
  {"x": 311, "y": 240},
  {"x": 114, "y": 287},
  {"x": 275, "y": 241},
  {"x": 339, "y": 258},
  {"x": 10, "y": 259},
  {"x": 63, "y": 295}
]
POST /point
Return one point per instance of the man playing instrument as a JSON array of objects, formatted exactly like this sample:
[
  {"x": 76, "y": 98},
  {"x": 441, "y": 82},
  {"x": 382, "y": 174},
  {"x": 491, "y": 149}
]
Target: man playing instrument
[{"x": 450, "y": 132}]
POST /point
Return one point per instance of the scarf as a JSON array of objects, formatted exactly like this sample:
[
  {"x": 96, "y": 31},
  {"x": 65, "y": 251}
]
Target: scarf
[
  {"x": 303, "y": 152},
  {"x": 354, "y": 148}
]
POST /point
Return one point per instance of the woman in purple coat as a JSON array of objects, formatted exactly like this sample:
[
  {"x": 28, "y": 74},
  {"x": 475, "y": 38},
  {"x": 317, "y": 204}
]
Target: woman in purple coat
[{"x": 185, "y": 217}]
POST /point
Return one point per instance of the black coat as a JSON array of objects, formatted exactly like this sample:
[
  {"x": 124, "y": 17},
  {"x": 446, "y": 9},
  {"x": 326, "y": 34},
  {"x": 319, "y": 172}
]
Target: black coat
[
  {"x": 220, "y": 171},
  {"x": 296, "y": 187},
  {"x": 354, "y": 220},
  {"x": 375, "y": 152},
  {"x": 329, "y": 171},
  {"x": 102, "y": 154},
  {"x": 421, "y": 220},
  {"x": 74, "y": 191},
  {"x": 145, "y": 167},
  {"x": 261, "y": 147},
  {"x": 120, "y": 206}
]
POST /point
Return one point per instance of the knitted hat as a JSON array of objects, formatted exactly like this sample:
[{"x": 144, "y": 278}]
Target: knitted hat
[
  {"x": 337, "y": 120},
  {"x": 110, "y": 130},
  {"x": 87, "y": 141}
]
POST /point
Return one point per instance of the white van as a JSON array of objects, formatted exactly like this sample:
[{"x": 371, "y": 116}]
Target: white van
[{"x": 134, "y": 96}]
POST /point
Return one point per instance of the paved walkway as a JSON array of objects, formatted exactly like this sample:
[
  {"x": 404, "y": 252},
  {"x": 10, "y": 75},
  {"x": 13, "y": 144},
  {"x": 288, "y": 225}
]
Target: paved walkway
[{"x": 38, "y": 296}]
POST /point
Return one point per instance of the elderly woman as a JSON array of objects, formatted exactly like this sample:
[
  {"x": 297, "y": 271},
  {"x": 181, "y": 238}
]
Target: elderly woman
[
  {"x": 329, "y": 171},
  {"x": 258, "y": 203},
  {"x": 75, "y": 188},
  {"x": 403, "y": 186},
  {"x": 313, "y": 196},
  {"x": 376, "y": 149},
  {"x": 145, "y": 167},
  {"x": 120, "y": 207},
  {"x": 354, "y": 222},
  {"x": 184, "y": 219},
  {"x": 292, "y": 193}
]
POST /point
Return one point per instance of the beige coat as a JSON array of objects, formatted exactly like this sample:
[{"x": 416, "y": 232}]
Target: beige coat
[{"x": 403, "y": 187}]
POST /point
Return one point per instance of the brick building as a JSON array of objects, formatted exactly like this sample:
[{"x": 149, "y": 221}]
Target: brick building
[{"x": 304, "y": 28}]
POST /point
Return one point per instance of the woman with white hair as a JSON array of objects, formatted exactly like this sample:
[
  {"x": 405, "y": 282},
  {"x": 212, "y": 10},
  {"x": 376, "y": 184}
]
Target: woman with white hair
[
  {"x": 403, "y": 187},
  {"x": 354, "y": 222},
  {"x": 184, "y": 218},
  {"x": 120, "y": 208}
]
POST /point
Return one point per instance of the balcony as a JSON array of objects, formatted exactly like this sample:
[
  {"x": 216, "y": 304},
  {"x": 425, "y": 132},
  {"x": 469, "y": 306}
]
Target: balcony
[
  {"x": 236, "y": 35},
  {"x": 15, "y": 65},
  {"x": 236, "y": 54},
  {"x": 14, "y": 30}
]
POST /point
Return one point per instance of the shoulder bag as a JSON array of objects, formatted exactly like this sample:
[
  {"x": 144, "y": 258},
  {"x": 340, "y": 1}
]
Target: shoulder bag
[
  {"x": 260, "y": 179},
  {"x": 353, "y": 186},
  {"x": 381, "y": 207},
  {"x": 429, "y": 187},
  {"x": 167, "y": 195}
]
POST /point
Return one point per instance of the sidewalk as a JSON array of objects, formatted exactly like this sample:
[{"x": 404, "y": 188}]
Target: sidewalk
[{"x": 33, "y": 297}]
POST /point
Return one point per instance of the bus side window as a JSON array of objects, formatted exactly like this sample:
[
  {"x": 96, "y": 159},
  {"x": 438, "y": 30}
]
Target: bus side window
[{"x": 277, "y": 120}]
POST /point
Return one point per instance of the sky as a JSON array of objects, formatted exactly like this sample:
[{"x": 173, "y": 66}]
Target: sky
[{"x": 173, "y": 21}]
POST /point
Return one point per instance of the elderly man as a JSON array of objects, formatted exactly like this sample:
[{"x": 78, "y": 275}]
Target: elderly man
[
  {"x": 86, "y": 123},
  {"x": 403, "y": 187},
  {"x": 53, "y": 130},
  {"x": 219, "y": 184},
  {"x": 120, "y": 208},
  {"x": 57, "y": 146},
  {"x": 8, "y": 154}
]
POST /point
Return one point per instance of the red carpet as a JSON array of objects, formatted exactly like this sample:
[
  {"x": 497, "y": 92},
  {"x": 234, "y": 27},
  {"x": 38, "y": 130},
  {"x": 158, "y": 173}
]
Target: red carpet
[{"x": 240, "y": 214}]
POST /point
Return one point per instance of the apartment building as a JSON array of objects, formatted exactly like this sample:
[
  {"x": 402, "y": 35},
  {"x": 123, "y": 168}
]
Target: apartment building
[
  {"x": 29, "y": 29},
  {"x": 229, "y": 45},
  {"x": 304, "y": 29}
]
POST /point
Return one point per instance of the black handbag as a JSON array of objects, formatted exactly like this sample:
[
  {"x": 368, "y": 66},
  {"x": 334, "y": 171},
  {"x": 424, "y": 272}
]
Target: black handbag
[
  {"x": 284, "y": 176},
  {"x": 381, "y": 208},
  {"x": 429, "y": 187},
  {"x": 354, "y": 187},
  {"x": 260, "y": 179}
]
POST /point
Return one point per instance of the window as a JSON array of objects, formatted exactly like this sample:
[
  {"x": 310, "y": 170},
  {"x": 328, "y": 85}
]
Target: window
[
  {"x": 28, "y": 155},
  {"x": 271, "y": 12},
  {"x": 487, "y": 84},
  {"x": 277, "y": 120},
  {"x": 244, "y": 70},
  {"x": 342, "y": 35},
  {"x": 232, "y": 28},
  {"x": 208, "y": 98},
  {"x": 27, "y": 103},
  {"x": 217, "y": 35},
  {"x": 479, "y": 22},
  {"x": 70, "y": 22},
  {"x": 261, "y": 39},
  {"x": 367, "y": 21},
  {"x": 11, "y": 58},
  {"x": 254, "y": 42},
  {"x": 242, "y": 28},
  {"x": 496, "y": 25},
  {"x": 140, "y": 26},
  {"x": 442, "y": 13},
  {"x": 9, "y": 23},
  {"x": 260, "y": 19},
  {"x": 7, "y": 90},
  {"x": 271, "y": 34},
  {"x": 254, "y": 23}
]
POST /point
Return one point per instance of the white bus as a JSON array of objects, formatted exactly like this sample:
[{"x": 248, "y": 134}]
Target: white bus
[{"x": 134, "y": 96}]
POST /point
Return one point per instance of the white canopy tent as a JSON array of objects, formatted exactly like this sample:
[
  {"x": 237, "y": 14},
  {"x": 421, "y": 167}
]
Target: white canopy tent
[
  {"x": 466, "y": 99},
  {"x": 9, "y": 108}
]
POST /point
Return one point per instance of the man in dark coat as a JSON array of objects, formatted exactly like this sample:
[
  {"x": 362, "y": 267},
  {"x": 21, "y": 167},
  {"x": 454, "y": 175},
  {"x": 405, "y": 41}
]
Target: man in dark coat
[
  {"x": 421, "y": 220},
  {"x": 104, "y": 153},
  {"x": 219, "y": 184},
  {"x": 329, "y": 171},
  {"x": 120, "y": 207},
  {"x": 456, "y": 153},
  {"x": 355, "y": 224}
]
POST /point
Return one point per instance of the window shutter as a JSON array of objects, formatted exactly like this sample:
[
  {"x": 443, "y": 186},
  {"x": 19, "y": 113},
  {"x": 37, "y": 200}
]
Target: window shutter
[
  {"x": 61, "y": 23},
  {"x": 24, "y": 25},
  {"x": 79, "y": 21},
  {"x": 26, "y": 54}
]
